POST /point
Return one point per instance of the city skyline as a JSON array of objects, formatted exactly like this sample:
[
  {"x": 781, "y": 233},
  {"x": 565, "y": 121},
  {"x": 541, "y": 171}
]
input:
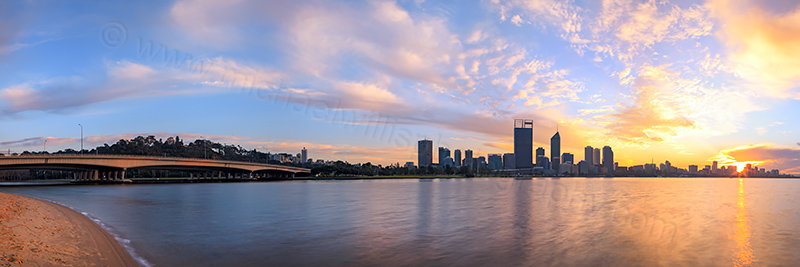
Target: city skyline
[{"x": 686, "y": 81}]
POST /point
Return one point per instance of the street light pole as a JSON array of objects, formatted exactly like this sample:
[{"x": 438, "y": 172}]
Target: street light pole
[
  {"x": 81, "y": 138},
  {"x": 205, "y": 151}
]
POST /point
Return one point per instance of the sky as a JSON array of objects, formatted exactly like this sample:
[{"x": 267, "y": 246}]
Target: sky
[{"x": 363, "y": 81}]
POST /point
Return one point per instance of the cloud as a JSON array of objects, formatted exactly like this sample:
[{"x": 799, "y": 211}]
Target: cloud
[
  {"x": 622, "y": 28},
  {"x": 126, "y": 79},
  {"x": 762, "y": 44},
  {"x": 767, "y": 156},
  {"x": 655, "y": 115},
  {"x": 123, "y": 80}
]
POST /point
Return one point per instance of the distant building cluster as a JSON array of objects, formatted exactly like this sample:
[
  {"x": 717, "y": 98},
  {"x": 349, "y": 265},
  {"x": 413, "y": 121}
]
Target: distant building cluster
[
  {"x": 523, "y": 161},
  {"x": 595, "y": 162}
]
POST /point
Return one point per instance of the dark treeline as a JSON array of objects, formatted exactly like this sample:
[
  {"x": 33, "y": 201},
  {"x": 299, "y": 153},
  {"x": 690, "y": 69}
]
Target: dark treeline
[{"x": 172, "y": 147}]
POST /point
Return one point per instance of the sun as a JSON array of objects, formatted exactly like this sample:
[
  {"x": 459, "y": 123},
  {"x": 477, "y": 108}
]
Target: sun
[{"x": 741, "y": 164}]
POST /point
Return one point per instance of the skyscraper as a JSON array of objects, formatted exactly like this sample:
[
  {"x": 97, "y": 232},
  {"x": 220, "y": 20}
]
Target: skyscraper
[
  {"x": 540, "y": 157},
  {"x": 714, "y": 167},
  {"x": 468, "y": 158},
  {"x": 424, "y": 153},
  {"x": 588, "y": 155},
  {"x": 443, "y": 153},
  {"x": 457, "y": 157},
  {"x": 608, "y": 159},
  {"x": 303, "y": 156},
  {"x": 555, "y": 151},
  {"x": 596, "y": 157},
  {"x": 523, "y": 143}
]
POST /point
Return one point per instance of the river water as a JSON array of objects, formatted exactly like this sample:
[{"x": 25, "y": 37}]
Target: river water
[{"x": 463, "y": 222}]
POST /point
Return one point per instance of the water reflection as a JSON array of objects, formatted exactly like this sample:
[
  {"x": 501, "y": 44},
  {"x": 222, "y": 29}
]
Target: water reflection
[{"x": 744, "y": 253}]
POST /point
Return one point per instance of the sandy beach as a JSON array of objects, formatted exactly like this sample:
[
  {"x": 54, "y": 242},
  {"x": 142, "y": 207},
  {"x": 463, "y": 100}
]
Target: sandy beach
[{"x": 39, "y": 233}]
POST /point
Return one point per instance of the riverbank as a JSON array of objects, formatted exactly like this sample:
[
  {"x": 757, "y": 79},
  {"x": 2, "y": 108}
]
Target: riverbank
[{"x": 40, "y": 233}]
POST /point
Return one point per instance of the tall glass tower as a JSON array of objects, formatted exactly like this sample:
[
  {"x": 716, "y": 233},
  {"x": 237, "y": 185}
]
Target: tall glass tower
[
  {"x": 555, "y": 151},
  {"x": 425, "y": 153},
  {"x": 608, "y": 159},
  {"x": 523, "y": 143}
]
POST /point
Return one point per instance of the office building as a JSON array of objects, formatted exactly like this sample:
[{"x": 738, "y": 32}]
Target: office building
[
  {"x": 588, "y": 155},
  {"x": 693, "y": 168},
  {"x": 714, "y": 166},
  {"x": 495, "y": 161},
  {"x": 567, "y": 158},
  {"x": 480, "y": 162},
  {"x": 540, "y": 157},
  {"x": 424, "y": 153},
  {"x": 596, "y": 157},
  {"x": 608, "y": 159},
  {"x": 509, "y": 161},
  {"x": 443, "y": 153},
  {"x": 304, "y": 156},
  {"x": 523, "y": 143},
  {"x": 583, "y": 166},
  {"x": 555, "y": 151},
  {"x": 468, "y": 158},
  {"x": 447, "y": 161},
  {"x": 457, "y": 157}
]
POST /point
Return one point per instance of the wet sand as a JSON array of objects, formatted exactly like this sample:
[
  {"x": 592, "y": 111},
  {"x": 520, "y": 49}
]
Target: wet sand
[{"x": 39, "y": 233}]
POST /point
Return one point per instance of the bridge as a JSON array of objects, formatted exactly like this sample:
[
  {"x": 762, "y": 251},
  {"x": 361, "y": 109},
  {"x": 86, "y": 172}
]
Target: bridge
[{"x": 113, "y": 167}]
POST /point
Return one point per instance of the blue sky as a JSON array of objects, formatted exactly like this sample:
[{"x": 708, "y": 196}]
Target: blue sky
[{"x": 685, "y": 81}]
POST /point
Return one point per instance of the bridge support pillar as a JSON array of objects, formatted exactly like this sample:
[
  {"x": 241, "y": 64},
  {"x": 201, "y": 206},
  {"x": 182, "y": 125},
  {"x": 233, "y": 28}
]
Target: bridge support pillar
[{"x": 95, "y": 173}]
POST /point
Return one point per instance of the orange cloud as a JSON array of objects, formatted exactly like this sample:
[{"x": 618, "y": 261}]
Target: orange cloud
[
  {"x": 655, "y": 115},
  {"x": 763, "y": 45},
  {"x": 763, "y": 155}
]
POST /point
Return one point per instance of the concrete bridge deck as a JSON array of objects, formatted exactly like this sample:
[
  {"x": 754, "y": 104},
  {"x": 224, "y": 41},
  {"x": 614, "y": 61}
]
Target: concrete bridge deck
[{"x": 113, "y": 167}]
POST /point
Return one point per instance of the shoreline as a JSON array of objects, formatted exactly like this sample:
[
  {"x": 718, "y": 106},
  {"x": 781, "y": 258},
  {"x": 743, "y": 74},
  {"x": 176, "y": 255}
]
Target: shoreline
[{"x": 38, "y": 232}]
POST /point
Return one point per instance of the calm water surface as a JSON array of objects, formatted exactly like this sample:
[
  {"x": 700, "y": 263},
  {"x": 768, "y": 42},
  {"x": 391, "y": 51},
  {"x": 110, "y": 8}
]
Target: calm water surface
[{"x": 465, "y": 222}]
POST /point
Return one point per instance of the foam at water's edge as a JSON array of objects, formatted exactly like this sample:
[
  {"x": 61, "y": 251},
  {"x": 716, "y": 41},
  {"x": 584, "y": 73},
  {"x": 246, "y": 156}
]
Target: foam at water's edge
[{"x": 125, "y": 243}]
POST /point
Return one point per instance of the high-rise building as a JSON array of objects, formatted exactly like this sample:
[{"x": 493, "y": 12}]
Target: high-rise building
[
  {"x": 495, "y": 161},
  {"x": 303, "y": 155},
  {"x": 509, "y": 161},
  {"x": 608, "y": 159},
  {"x": 424, "y": 153},
  {"x": 555, "y": 151},
  {"x": 567, "y": 158},
  {"x": 714, "y": 167},
  {"x": 588, "y": 155},
  {"x": 468, "y": 158},
  {"x": 540, "y": 157},
  {"x": 443, "y": 153},
  {"x": 457, "y": 157},
  {"x": 523, "y": 143},
  {"x": 596, "y": 157}
]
